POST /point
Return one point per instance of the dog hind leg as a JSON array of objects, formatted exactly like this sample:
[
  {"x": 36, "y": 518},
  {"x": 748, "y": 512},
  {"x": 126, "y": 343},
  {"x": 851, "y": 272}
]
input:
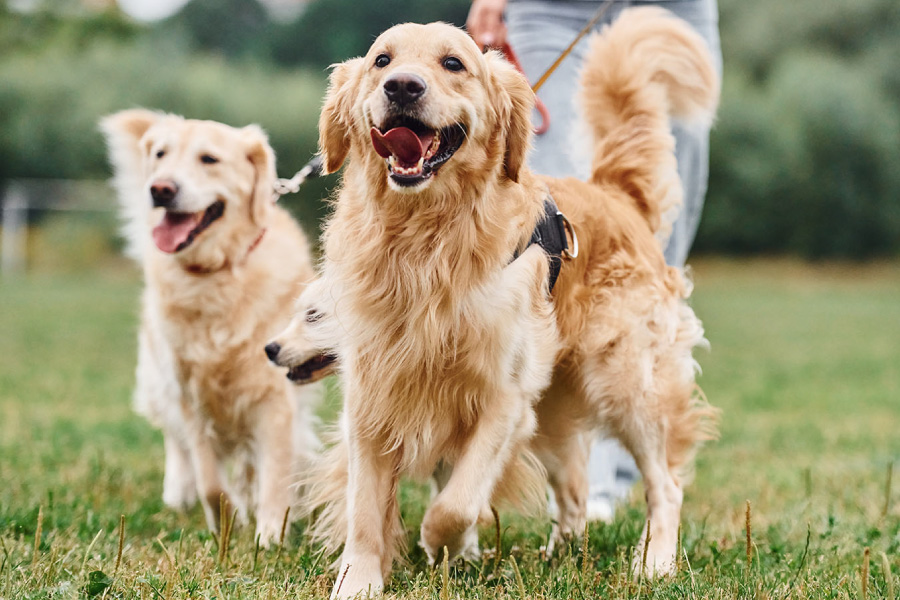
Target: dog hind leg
[
  {"x": 641, "y": 425},
  {"x": 563, "y": 448},
  {"x": 663, "y": 493}
]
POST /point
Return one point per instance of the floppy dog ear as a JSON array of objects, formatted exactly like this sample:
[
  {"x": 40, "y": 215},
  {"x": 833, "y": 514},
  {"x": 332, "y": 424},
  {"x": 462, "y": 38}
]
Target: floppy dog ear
[
  {"x": 514, "y": 102},
  {"x": 123, "y": 131},
  {"x": 262, "y": 157},
  {"x": 336, "y": 117}
]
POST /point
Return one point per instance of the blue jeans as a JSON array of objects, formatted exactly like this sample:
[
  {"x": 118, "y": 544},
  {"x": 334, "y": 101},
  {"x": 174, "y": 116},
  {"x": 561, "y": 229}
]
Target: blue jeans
[{"x": 538, "y": 32}]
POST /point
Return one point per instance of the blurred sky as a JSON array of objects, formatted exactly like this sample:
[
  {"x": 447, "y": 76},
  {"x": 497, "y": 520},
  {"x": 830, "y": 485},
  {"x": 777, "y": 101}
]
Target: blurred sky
[{"x": 150, "y": 10}]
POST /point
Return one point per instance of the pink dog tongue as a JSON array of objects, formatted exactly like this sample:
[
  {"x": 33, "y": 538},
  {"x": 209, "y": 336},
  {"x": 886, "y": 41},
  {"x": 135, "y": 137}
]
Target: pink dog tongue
[
  {"x": 403, "y": 143},
  {"x": 173, "y": 230}
]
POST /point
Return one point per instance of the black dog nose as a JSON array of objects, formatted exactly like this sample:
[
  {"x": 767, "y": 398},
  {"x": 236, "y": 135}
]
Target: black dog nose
[
  {"x": 404, "y": 88},
  {"x": 163, "y": 191},
  {"x": 272, "y": 350}
]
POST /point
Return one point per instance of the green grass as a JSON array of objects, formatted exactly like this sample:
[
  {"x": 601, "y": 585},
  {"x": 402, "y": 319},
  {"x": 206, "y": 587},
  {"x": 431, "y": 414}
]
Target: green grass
[{"x": 805, "y": 364}]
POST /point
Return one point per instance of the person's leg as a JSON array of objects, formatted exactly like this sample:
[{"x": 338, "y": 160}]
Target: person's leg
[
  {"x": 692, "y": 142},
  {"x": 538, "y": 34}
]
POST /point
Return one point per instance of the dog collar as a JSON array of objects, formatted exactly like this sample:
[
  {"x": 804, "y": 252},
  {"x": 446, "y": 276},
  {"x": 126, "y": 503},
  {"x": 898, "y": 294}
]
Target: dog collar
[
  {"x": 550, "y": 234},
  {"x": 255, "y": 243},
  {"x": 200, "y": 270}
]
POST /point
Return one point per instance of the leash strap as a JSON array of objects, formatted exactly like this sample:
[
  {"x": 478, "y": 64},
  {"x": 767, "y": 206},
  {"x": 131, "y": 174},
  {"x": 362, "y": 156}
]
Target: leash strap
[
  {"x": 541, "y": 129},
  {"x": 590, "y": 25},
  {"x": 310, "y": 170},
  {"x": 510, "y": 55}
]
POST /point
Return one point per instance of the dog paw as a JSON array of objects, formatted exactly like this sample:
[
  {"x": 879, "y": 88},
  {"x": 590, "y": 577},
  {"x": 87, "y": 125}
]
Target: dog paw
[
  {"x": 357, "y": 582},
  {"x": 562, "y": 538},
  {"x": 268, "y": 534},
  {"x": 447, "y": 529},
  {"x": 180, "y": 498},
  {"x": 179, "y": 489},
  {"x": 659, "y": 560}
]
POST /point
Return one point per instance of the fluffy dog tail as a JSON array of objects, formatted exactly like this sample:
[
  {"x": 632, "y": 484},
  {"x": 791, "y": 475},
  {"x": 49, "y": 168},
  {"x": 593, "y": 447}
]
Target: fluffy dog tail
[{"x": 645, "y": 69}]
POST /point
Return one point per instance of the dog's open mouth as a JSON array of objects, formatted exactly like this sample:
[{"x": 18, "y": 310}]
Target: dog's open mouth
[
  {"x": 415, "y": 151},
  {"x": 177, "y": 230},
  {"x": 312, "y": 370}
]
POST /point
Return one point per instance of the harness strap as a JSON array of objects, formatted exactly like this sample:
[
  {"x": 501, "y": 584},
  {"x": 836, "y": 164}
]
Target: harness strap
[{"x": 550, "y": 234}]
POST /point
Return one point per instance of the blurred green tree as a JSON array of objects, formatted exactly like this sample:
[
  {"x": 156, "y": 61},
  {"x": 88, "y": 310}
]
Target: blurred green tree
[
  {"x": 804, "y": 155},
  {"x": 232, "y": 27},
  {"x": 331, "y": 31}
]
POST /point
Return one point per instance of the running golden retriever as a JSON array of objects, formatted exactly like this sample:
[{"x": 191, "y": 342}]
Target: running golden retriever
[
  {"x": 222, "y": 265},
  {"x": 454, "y": 354}
]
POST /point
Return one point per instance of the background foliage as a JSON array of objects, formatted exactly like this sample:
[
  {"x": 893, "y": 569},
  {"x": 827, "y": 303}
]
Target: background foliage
[{"x": 803, "y": 157}]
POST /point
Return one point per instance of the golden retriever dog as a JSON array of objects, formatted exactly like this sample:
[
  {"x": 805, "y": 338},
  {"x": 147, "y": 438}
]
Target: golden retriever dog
[
  {"x": 304, "y": 347},
  {"x": 222, "y": 265},
  {"x": 454, "y": 354}
]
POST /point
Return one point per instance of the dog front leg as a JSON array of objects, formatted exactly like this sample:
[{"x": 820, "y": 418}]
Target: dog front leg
[
  {"x": 451, "y": 519},
  {"x": 179, "y": 485},
  {"x": 158, "y": 397},
  {"x": 562, "y": 443},
  {"x": 274, "y": 460},
  {"x": 371, "y": 481}
]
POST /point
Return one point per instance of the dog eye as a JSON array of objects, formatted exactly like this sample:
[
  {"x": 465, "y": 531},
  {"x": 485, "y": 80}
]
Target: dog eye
[
  {"x": 451, "y": 63},
  {"x": 160, "y": 154},
  {"x": 312, "y": 315},
  {"x": 208, "y": 159},
  {"x": 382, "y": 60}
]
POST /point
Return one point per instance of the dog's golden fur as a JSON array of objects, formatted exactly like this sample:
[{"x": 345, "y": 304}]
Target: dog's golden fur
[
  {"x": 209, "y": 308},
  {"x": 452, "y": 353}
]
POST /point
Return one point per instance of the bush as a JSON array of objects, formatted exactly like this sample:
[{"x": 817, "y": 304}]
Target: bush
[
  {"x": 805, "y": 165},
  {"x": 49, "y": 109},
  {"x": 804, "y": 154},
  {"x": 803, "y": 158}
]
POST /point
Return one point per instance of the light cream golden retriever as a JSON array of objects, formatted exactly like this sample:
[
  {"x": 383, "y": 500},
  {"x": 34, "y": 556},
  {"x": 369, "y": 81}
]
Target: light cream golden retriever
[
  {"x": 222, "y": 266},
  {"x": 453, "y": 353}
]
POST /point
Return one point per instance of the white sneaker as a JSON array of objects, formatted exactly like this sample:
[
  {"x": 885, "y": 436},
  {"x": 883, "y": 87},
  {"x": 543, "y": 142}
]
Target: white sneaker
[{"x": 600, "y": 506}]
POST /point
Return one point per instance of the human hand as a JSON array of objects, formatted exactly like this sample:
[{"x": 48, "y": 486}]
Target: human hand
[{"x": 485, "y": 23}]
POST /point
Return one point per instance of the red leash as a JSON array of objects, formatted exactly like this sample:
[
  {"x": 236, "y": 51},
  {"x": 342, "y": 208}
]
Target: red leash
[
  {"x": 541, "y": 129},
  {"x": 507, "y": 50}
]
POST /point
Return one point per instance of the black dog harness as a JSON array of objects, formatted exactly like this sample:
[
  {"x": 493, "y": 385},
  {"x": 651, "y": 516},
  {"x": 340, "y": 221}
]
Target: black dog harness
[{"x": 550, "y": 234}]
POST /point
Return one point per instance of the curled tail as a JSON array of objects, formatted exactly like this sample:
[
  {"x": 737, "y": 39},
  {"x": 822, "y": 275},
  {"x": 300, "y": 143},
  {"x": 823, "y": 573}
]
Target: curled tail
[{"x": 645, "y": 69}]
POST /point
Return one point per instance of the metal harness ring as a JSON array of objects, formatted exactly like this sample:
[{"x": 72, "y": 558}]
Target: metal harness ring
[{"x": 571, "y": 229}]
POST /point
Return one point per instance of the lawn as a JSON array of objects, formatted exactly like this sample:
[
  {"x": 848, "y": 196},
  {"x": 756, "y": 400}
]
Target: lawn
[{"x": 805, "y": 363}]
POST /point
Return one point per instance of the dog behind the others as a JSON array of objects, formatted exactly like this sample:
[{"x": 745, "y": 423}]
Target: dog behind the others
[{"x": 222, "y": 266}]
